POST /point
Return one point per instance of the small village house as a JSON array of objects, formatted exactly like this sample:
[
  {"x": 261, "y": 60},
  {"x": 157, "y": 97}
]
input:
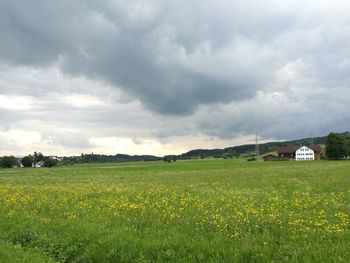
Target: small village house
[
  {"x": 299, "y": 153},
  {"x": 304, "y": 153}
]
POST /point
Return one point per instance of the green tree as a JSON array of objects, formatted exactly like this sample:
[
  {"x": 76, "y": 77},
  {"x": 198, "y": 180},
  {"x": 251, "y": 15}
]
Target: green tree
[
  {"x": 347, "y": 146},
  {"x": 336, "y": 146},
  {"x": 167, "y": 159},
  {"x": 49, "y": 162},
  {"x": 8, "y": 161},
  {"x": 38, "y": 157},
  {"x": 27, "y": 161}
]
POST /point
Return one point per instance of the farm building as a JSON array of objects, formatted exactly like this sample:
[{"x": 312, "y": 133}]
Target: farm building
[
  {"x": 38, "y": 164},
  {"x": 270, "y": 157},
  {"x": 300, "y": 152},
  {"x": 18, "y": 161},
  {"x": 304, "y": 153}
]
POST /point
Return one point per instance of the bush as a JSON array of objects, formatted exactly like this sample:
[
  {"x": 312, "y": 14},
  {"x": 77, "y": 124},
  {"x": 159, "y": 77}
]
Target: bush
[
  {"x": 27, "y": 161},
  {"x": 8, "y": 162},
  {"x": 49, "y": 162}
]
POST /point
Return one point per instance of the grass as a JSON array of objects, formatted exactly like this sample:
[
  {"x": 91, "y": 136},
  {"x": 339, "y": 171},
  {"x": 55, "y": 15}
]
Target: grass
[{"x": 188, "y": 211}]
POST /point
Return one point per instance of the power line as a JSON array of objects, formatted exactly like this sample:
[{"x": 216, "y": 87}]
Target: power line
[
  {"x": 256, "y": 140},
  {"x": 257, "y": 146}
]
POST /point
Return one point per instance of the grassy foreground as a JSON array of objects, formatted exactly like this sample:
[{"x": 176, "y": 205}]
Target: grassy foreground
[{"x": 188, "y": 211}]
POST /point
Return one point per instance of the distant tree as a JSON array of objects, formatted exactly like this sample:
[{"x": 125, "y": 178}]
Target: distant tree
[
  {"x": 347, "y": 146},
  {"x": 336, "y": 146},
  {"x": 38, "y": 157},
  {"x": 27, "y": 161},
  {"x": 174, "y": 158},
  {"x": 8, "y": 161},
  {"x": 167, "y": 159},
  {"x": 49, "y": 162}
]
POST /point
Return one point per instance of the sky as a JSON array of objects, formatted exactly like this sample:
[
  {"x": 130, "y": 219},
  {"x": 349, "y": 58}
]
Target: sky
[{"x": 164, "y": 77}]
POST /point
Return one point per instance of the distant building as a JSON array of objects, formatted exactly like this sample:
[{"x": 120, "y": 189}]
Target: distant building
[
  {"x": 304, "y": 153},
  {"x": 299, "y": 153},
  {"x": 270, "y": 157},
  {"x": 286, "y": 152},
  {"x": 18, "y": 161},
  {"x": 57, "y": 158},
  {"x": 38, "y": 164}
]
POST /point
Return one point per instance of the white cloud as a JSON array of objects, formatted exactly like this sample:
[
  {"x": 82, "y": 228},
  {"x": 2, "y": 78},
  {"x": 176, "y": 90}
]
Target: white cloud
[
  {"x": 83, "y": 101},
  {"x": 18, "y": 102}
]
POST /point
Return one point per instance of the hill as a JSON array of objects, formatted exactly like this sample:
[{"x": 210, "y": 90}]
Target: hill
[
  {"x": 247, "y": 149},
  {"x": 228, "y": 152}
]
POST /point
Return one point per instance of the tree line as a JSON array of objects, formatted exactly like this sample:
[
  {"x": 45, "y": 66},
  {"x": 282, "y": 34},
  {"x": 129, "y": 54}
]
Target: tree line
[
  {"x": 102, "y": 158},
  {"x": 31, "y": 160},
  {"x": 337, "y": 147}
]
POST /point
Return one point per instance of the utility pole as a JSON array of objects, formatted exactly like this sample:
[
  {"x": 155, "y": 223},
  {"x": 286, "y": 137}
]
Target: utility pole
[
  {"x": 257, "y": 146},
  {"x": 256, "y": 140}
]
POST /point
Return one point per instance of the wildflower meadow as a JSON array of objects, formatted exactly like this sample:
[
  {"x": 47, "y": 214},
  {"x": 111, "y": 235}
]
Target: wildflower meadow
[{"x": 187, "y": 211}]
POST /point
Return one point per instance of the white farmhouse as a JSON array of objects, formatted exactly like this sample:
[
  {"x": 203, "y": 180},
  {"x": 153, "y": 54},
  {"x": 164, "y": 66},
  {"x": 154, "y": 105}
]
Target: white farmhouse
[{"x": 304, "y": 153}]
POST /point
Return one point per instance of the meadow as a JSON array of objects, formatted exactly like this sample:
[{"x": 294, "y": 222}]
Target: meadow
[{"x": 188, "y": 211}]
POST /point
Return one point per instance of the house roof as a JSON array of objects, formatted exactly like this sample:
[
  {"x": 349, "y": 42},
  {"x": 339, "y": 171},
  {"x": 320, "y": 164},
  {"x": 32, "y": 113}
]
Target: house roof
[
  {"x": 272, "y": 156},
  {"x": 286, "y": 149},
  {"x": 293, "y": 149},
  {"x": 268, "y": 155}
]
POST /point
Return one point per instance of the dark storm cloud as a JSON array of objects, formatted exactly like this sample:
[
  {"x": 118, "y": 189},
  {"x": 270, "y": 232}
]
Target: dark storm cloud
[
  {"x": 145, "y": 48},
  {"x": 223, "y": 68}
]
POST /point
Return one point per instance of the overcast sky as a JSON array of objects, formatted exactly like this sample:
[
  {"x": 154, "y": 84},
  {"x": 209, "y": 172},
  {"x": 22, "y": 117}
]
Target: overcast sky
[{"x": 160, "y": 77}]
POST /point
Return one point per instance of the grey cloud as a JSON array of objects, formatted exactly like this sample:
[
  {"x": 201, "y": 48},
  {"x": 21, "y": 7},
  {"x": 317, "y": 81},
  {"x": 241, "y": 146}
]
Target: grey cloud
[
  {"x": 66, "y": 139},
  {"x": 7, "y": 144},
  {"x": 135, "y": 46},
  {"x": 8, "y": 117},
  {"x": 206, "y": 62},
  {"x": 278, "y": 118},
  {"x": 290, "y": 114}
]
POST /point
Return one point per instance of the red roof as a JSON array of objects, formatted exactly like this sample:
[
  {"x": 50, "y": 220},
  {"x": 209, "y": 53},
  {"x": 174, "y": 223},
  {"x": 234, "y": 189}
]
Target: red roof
[
  {"x": 286, "y": 149},
  {"x": 293, "y": 149}
]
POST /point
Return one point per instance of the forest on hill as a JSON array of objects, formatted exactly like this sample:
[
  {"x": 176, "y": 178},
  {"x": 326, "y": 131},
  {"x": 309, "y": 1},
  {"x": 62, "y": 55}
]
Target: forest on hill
[
  {"x": 247, "y": 149},
  {"x": 228, "y": 152}
]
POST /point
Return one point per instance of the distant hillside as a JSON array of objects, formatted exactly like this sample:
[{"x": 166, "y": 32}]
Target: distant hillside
[
  {"x": 250, "y": 148},
  {"x": 229, "y": 152}
]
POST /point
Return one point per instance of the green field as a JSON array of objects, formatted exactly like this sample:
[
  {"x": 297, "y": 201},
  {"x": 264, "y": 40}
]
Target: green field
[{"x": 188, "y": 211}]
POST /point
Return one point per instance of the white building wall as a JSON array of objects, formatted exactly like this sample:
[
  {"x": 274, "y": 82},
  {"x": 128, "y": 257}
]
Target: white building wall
[{"x": 304, "y": 154}]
